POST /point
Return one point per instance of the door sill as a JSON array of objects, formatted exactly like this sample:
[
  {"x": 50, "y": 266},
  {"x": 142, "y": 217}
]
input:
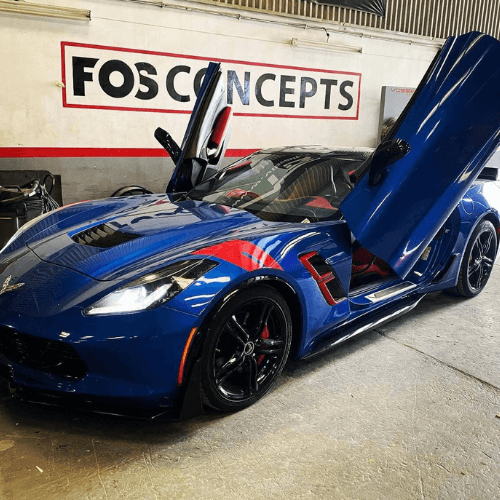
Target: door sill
[{"x": 392, "y": 291}]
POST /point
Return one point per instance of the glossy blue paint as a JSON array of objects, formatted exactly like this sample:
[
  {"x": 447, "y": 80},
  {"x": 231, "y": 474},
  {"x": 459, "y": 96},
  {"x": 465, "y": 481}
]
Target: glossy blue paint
[
  {"x": 133, "y": 359},
  {"x": 452, "y": 126},
  {"x": 330, "y": 240},
  {"x": 161, "y": 225}
]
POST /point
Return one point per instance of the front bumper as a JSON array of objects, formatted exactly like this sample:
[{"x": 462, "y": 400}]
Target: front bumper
[
  {"x": 127, "y": 364},
  {"x": 134, "y": 373},
  {"x": 188, "y": 404}
]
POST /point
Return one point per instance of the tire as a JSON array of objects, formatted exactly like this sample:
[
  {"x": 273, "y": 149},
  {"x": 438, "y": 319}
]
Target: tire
[
  {"x": 247, "y": 345},
  {"x": 477, "y": 262}
]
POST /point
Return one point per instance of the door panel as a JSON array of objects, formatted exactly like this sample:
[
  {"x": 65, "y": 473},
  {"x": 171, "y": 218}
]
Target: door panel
[
  {"x": 206, "y": 136},
  {"x": 452, "y": 126}
]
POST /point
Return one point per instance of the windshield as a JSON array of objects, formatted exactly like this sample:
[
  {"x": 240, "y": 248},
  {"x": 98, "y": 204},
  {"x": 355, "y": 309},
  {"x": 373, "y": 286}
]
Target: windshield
[{"x": 286, "y": 185}]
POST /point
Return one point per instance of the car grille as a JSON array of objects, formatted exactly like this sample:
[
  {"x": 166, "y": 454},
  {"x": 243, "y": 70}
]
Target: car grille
[
  {"x": 103, "y": 236},
  {"x": 49, "y": 356}
]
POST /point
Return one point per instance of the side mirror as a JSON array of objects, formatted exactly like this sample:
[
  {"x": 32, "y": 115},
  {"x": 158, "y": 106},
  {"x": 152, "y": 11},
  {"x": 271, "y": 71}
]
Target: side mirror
[
  {"x": 170, "y": 146},
  {"x": 386, "y": 153}
]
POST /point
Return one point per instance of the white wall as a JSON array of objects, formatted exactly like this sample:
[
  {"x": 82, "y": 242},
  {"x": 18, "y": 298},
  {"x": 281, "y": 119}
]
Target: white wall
[{"x": 33, "y": 116}]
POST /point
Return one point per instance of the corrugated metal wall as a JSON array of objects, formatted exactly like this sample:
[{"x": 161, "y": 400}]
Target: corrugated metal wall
[{"x": 431, "y": 18}]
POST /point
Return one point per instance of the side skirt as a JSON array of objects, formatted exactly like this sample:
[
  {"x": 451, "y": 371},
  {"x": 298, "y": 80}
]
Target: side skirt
[{"x": 363, "y": 324}]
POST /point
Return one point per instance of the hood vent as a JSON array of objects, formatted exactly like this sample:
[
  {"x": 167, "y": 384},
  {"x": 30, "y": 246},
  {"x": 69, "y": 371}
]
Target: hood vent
[{"x": 103, "y": 236}]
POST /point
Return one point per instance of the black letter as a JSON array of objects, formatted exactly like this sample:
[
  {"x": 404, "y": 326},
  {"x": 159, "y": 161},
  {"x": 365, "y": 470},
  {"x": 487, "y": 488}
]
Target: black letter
[
  {"x": 128, "y": 78},
  {"x": 80, "y": 76},
  {"x": 198, "y": 79},
  {"x": 170, "y": 83},
  {"x": 258, "y": 89},
  {"x": 328, "y": 93},
  {"x": 152, "y": 86},
  {"x": 310, "y": 93},
  {"x": 343, "y": 93},
  {"x": 284, "y": 91},
  {"x": 232, "y": 79}
]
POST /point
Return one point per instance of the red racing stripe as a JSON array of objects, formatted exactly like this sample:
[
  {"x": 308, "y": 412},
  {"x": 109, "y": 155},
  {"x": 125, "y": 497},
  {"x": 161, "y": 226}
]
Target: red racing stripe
[{"x": 242, "y": 254}]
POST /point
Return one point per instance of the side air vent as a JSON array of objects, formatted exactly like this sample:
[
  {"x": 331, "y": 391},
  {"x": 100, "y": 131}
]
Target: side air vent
[
  {"x": 319, "y": 264},
  {"x": 325, "y": 276},
  {"x": 103, "y": 236}
]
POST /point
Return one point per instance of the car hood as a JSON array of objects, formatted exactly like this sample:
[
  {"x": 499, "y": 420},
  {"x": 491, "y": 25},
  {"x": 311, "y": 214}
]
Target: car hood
[{"x": 134, "y": 238}]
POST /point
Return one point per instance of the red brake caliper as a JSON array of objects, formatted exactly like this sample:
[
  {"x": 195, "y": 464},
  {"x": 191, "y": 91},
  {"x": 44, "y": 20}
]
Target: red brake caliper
[{"x": 263, "y": 335}]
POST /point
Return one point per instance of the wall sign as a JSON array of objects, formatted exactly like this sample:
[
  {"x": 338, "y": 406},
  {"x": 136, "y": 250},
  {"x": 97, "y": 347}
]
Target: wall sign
[{"x": 102, "y": 77}]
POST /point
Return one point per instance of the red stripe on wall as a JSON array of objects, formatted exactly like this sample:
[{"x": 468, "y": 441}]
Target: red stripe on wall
[{"x": 100, "y": 152}]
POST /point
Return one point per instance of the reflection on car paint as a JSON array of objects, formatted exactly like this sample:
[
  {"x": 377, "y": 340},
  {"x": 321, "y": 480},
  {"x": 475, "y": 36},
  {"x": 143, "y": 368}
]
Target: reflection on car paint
[
  {"x": 323, "y": 281},
  {"x": 241, "y": 253},
  {"x": 450, "y": 141}
]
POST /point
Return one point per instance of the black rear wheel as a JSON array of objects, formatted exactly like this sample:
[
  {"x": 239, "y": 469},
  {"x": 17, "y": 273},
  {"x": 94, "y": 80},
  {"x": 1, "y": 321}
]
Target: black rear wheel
[
  {"x": 247, "y": 346},
  {"x": 477, "y": 262}
]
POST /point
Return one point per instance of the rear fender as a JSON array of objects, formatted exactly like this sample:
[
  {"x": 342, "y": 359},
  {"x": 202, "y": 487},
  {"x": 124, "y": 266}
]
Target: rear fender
[{"x": 471, "y": 212}]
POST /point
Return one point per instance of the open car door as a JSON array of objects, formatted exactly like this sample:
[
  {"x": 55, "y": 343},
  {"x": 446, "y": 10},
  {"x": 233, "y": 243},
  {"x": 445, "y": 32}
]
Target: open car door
[
  {"x": 434, "y": 152},
  {"x": 206, "y": 136}
]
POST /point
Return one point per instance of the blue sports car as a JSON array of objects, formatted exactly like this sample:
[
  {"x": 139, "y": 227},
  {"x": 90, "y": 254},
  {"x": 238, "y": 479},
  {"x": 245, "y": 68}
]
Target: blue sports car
[{"x": 164, "y": 304}]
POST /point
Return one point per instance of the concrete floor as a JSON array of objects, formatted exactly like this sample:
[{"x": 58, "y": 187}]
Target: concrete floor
[{"x": 409, "y": 411}]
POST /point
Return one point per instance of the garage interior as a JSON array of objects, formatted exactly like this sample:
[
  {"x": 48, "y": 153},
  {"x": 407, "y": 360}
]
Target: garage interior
[{"x": 409, "y": 410}]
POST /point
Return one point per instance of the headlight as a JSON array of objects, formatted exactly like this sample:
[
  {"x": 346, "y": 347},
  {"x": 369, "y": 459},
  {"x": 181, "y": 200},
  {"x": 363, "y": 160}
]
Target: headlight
[{"x": 151, "y": 290}]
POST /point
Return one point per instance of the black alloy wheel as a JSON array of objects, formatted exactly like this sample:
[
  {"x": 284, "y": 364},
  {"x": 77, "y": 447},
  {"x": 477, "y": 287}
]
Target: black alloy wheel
[
  {"x": 247, "y": 346},
  {"x": 478, "y": 261}
]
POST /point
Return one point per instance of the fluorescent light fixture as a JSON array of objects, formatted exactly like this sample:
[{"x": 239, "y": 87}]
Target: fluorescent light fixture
[
  {"x": 313, "y": 44},
  {"x": 38, "y": 9}
]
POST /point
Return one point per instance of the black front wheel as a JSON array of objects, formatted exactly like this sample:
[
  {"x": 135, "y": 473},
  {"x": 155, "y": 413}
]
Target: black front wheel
[
  {"x": 246, "y": 349},
  {"x": 477, "y": 262}
]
